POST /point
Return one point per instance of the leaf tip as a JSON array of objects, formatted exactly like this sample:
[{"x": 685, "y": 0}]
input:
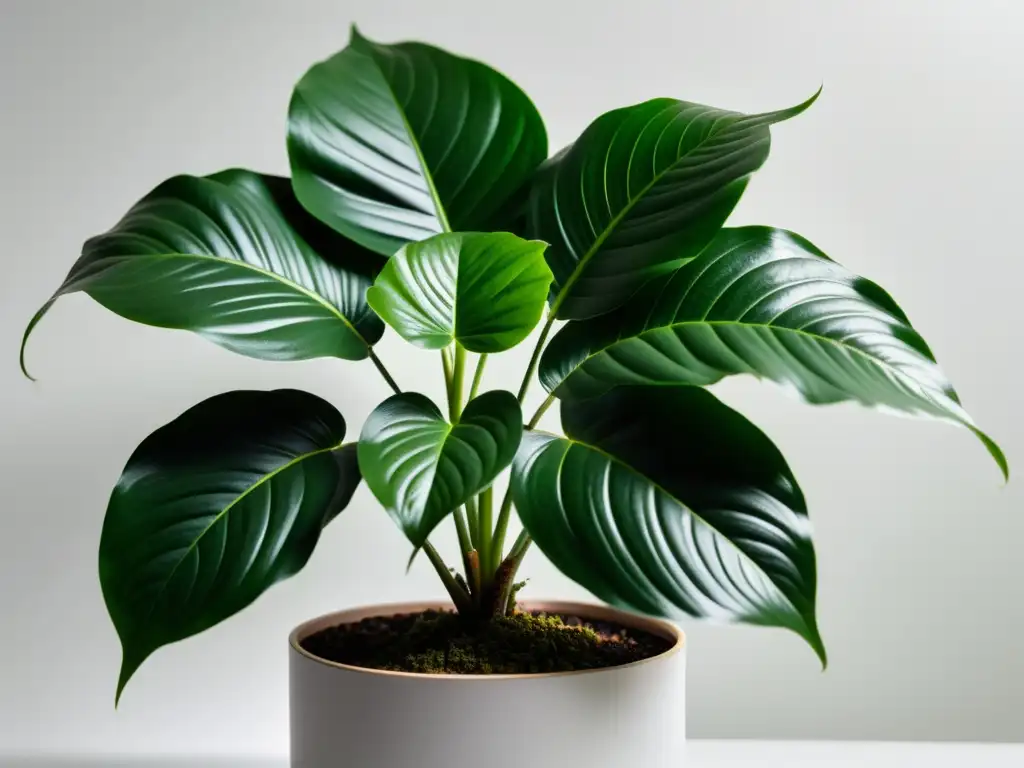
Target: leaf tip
[
  {"x": 995, "y": 452},
  {"x": 28, "y": 332},
  {"x": 408, "y": 566}
]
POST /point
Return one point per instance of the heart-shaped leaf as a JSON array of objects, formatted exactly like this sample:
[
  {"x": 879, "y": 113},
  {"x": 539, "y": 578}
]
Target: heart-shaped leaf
[
  {"x": 765, "y": 302},
  {"x": 665, "y": 501},
  {"x": 421, "y": 468},
  {"x": 234, "y": 258},
  {"x": 215, "y": 507},
  {"x": 641, "y": 191},
  {"x": 390, "y": 144},
  {"x": 486, "y": 291}
]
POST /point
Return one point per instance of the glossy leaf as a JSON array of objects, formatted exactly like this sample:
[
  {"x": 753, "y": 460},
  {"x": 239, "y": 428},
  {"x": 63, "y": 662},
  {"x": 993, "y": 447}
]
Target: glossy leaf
[
  {"x": 486, "y": 291},
  {"x": 765, "y": 302},
  {"x": 231, "y": 257},
  {"x": 421, "y": 468},
  {"x": 391, "y": 144},
  {"x": 215, "y": 507},
  {"x": 667, "y": 502},
  {"x": 641, "y": 191}
]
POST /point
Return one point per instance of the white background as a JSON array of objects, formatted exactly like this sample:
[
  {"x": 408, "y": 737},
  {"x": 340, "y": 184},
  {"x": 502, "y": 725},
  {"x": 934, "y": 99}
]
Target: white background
[{"x": 906, "y": 170}]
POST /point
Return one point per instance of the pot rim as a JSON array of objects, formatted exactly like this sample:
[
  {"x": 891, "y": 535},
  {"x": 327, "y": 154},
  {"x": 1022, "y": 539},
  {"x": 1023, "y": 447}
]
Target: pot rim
[{"x": 657, "y": 627}]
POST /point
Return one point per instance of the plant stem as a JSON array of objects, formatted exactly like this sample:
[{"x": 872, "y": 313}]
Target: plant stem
[
  {"x": 457, "y": 593},
  {"x": 446, "y": 362},
  {"x": 485, "y": 545},
  {"x": 541, "y": 411},
  {"x": 521, "y": 545},
  {"x": 462, "y": 528},
  {"x": 477, "y": 376},
  {"x": 501, "y": 528},
  {"x": 384, "y": 372},
  {"x": 473, "y": 515},
  {"x": 535, "y": 357},
  {"x": 458, "y": 375}
]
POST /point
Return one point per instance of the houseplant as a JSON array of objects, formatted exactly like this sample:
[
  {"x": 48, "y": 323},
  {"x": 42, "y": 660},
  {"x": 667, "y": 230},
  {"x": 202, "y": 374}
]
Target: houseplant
[{"x": 421, "y": 197}]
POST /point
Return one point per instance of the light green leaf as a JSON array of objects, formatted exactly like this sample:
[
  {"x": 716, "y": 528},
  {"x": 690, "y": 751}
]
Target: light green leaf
[
  {"x": 765, "y": 302},
  {"x": 421, "y": 468},
  {"x": 641, "y": 191},
  {"x": 390, "y": 144},
  {"x": 486, "y": 291},
  {"x": 663, "y": 500},
  {"x": 214, "y": 508}
]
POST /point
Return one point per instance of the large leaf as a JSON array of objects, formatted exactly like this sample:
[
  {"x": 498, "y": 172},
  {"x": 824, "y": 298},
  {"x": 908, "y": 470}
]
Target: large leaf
[
  {"x": 421, "y": 468},
  {"x": 486, "y": 291},
  {"x": 390, "y": 144},
  {"x": 214, "y": 508},
  {"x": 765, "y": 302},
  {"x": 641, "y": 191},
  {"x": 234, "y": 258},
  {"x": 667, "y": 502}
]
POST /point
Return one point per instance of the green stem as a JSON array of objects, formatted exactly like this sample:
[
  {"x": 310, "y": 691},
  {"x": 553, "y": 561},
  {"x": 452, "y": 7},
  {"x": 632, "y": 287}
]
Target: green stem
[
  {"x": 384, "y": 372},
  {"x": 458, "y": 594},
  {"x": 477, "y": 376},
  {"x": 458, "y": 375},
  {"x": 486, "y": 545},
  {"x": 446, "y": 362},
  {"x": 521, "y": 545},
  {"x": 462, "y": 529},
  {"x": 473, "y": 515},
  {"x": 541, "y": 411},
  {"x": 501, "y": 528},
  {"x": 535, "y": 357}
]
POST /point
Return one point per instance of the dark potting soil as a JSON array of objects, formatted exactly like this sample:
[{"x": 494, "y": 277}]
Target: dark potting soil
[{"x": 443, "y": 642}]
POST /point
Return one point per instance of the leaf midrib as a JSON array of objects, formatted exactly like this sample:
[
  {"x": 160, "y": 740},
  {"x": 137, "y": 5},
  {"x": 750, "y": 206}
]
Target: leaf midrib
[
  {"x": 658, "y": 487},
  {"x": 617, "y": 219},
  {"x": 435, "y": 198},
  {"x": 774, "y": 328},
  {"x": 228, "y": 261},
  {"x": 220, "y": 515}
]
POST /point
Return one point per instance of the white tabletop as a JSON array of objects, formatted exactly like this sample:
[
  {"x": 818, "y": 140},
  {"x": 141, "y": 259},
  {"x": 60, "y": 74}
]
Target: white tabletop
[{"x": 702, "y": 754}]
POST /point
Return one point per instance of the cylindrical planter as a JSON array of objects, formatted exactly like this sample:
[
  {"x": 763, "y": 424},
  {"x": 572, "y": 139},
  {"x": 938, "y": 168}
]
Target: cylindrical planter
[{"x": 630, "y": 715}]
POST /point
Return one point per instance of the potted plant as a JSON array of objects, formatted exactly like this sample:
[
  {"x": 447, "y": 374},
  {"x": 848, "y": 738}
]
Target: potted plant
[{"x": 422, "y": 198}]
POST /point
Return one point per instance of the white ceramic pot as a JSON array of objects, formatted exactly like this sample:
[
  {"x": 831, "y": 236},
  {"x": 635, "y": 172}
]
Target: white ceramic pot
[{"x": 619, "y": 717}]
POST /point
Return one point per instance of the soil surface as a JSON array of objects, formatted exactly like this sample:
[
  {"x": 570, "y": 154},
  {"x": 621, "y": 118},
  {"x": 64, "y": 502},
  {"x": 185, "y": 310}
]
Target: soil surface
[{"x": 523, "y": 643}]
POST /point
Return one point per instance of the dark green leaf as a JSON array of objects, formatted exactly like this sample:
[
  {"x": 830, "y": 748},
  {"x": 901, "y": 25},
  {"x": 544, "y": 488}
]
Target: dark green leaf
[
  {"x": 765, "y": 302},
  {"x": 215, "y": 507},
  {"x": 421, "y": 468},
  {"x": 231, "y": 256},
  {"x": 640, "y": 192},
  {"x": 486, "y": 291},
  {"x": 665, "y": 501},
  {"x": 390, "y": 144}
]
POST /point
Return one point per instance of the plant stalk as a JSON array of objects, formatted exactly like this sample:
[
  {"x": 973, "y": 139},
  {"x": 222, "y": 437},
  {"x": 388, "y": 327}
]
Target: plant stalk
[
  {"x": 473, "y": 516},
  {"x": 541, "y": 411},
  {"x": 477, "y": 376},
  {"x": 501, "y": 528},
  {"x": 486, "y": 544},
  {"x": 458, "y": 376},
  {"x": 458, "y": 595},
  {"x": 384, "y": 372},
  {"x": 535, "y": 357}
]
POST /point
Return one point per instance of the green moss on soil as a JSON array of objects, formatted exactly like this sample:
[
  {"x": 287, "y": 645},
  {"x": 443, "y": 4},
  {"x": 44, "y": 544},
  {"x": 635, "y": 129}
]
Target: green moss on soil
[{"x": 444, "y": 643}]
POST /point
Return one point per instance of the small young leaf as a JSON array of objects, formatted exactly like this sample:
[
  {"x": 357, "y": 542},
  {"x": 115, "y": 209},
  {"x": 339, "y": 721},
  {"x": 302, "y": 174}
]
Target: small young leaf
[
  {"x": 421, "y": 468},
  {"x": 486, "y": 291}
]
